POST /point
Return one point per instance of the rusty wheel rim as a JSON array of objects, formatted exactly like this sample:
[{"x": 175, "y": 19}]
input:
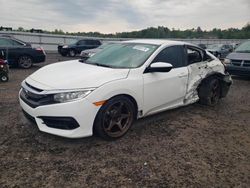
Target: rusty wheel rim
[{"x": 117, "y": 119}]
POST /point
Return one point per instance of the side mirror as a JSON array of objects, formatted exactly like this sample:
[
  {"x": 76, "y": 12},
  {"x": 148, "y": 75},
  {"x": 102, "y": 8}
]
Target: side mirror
[{"x": 159, "y": 67}]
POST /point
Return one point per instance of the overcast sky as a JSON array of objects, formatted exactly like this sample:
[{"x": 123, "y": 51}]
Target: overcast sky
[{"x": 110, "y": 16}]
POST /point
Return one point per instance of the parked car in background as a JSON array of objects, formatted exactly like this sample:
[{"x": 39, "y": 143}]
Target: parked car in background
[
  {"x": 119, "y": 84},
  {"x": 238, "y": 62},
  {"x": 203, "y": 46},
  {"x": 77, "y": 46},
  {"x": 220, "y": 50},
  {"x": 85, "y": 54},
  {"x": 19, "y": 53},
  {"x": 4, "y": 68}
]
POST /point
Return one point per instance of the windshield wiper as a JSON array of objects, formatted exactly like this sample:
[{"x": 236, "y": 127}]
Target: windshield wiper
[
  {"x": 97, "y": 64},
  {"x": 102, "y": 65}
]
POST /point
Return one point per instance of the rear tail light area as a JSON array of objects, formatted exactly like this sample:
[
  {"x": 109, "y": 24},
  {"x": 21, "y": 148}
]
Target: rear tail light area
[{"x": 40, "y": 49}]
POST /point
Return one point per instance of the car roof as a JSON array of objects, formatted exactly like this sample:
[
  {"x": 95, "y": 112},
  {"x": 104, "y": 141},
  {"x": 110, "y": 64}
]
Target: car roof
[{"x": 159, "y": 42}]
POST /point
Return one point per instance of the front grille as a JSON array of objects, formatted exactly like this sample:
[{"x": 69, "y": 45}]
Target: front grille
[
  {"x": 34, "y": 88},
  {"x": 33, "y": 99},
  {"x": 246, "y": 64},
  {"x": 242, "y": 63},
  {"x": 236, "y": 62}
]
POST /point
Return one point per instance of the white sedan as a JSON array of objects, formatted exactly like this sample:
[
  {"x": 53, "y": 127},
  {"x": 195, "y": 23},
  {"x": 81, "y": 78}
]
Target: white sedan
[{"x": 120, "y": 84}]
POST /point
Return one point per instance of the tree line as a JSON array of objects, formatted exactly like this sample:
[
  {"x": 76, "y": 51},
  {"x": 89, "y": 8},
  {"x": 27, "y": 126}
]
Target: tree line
[{"x": 163, "y": 32}]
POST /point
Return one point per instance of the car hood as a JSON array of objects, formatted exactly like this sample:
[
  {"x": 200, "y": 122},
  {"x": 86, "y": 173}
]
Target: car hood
[
  {"x": 74, "y": 75},
  {"x": 239, "y": 56}
]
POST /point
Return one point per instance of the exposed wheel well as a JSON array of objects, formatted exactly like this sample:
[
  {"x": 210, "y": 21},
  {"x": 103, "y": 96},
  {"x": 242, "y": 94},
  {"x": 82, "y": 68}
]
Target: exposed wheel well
[{"x": 219, "y": 76}]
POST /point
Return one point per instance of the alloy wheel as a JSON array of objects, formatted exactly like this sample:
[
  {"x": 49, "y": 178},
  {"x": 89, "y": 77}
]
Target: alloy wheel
[{"x": 117, "y": 119}]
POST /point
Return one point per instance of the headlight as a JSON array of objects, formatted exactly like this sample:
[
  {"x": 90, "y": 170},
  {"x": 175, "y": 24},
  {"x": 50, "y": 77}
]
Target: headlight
[
  {"x": 71, "y": 96},
  {"x": 65, "y": 46},
  {"x": 227, "y": 61}
]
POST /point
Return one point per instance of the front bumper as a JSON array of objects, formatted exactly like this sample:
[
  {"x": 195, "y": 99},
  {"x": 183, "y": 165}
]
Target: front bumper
[
  {"x": 82, "y": 111},
  {"x": 63, "y": 51}
]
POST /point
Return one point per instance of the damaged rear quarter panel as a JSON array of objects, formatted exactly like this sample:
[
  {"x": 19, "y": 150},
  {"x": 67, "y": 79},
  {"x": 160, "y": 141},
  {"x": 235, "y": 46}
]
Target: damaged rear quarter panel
[{"x": 198, "y": 72}]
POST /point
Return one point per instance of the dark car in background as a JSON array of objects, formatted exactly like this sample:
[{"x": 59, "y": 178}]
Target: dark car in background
[
  {"x": 238, "y": 62},
  {"x": 203, "y": 46},
  {"x": 220, "y": 50},
  {"x": 85, "y": 54},
  {"x": 19, "y": 53},
  {"x": 77, "y": 46}
]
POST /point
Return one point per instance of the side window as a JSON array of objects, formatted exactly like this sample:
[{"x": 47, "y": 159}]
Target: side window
[
  {"x": 193, "y": 56},
  {"x": 90, "y": 42},
  {"x": 82, "y": 42},
  {"x": 15, "y": 43},
  {"x": 173, "y": 55},
  {"x": 5, "y": 42}
]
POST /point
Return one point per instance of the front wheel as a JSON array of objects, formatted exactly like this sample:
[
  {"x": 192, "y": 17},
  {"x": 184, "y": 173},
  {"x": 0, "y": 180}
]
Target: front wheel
[
  {"x": 209, "y": 91},
  {"x": 114, "y": 118},
  {"x": 25, "y": 62},
  {"x": 72, "y": 53}
]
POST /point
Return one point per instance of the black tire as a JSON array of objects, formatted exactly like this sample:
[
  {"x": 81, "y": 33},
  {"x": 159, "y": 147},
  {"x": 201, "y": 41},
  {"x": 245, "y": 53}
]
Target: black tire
[
  {"x": 209, "y": 91},
  {"x": 114, "y": 118},
  {"x": 4, "y": 78},
  {"x": 25, "y": 62},
  {"x": 72, "y": 53}
]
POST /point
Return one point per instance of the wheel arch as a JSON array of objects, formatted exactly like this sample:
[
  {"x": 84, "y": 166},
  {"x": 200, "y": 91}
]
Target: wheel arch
[
  {"x": 132, "y": 99},
  {"x": 211, "y": 75}
]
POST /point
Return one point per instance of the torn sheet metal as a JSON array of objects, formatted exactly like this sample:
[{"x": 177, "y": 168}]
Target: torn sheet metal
[{"x": 197, "y": 72}]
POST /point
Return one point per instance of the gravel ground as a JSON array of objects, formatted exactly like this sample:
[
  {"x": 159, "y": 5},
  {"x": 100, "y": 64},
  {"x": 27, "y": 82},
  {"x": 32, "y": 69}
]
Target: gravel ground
[{"x": 193, "y": 146}]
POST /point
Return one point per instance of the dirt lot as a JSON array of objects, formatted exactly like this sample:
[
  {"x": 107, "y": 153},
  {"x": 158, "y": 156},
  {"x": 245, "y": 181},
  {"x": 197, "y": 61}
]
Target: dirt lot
[{"x": 194, "y": 146}]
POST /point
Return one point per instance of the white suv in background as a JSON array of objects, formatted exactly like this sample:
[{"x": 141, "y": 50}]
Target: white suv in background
[{"x": 119, "y": 84}]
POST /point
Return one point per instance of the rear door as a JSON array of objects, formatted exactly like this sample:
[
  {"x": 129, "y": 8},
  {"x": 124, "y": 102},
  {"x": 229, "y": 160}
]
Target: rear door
[
  {"x": 81, "y": 45},
  {"x": 197, "y": 69},
  {"x": 165, "y": 90}
]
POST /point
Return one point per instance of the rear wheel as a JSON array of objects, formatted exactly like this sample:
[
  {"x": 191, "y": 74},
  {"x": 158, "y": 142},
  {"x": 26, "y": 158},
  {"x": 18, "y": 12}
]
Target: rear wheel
[
  {"x": 25, "y": 62},
  {"x": 209, "y": 91},
  {"x": 114, "y": 118},
  {"x": 4, "y": 78}
]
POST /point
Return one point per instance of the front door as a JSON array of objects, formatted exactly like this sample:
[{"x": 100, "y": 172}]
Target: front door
[{"x": 166, "y": 90}]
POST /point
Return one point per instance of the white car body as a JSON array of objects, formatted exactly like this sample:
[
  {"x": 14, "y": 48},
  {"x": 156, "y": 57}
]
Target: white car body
[{"x": 152, "y": 92}]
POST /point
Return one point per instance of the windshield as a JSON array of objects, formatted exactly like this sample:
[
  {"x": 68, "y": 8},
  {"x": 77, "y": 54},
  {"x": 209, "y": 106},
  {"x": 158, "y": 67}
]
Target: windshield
[
  {"x": 214, "y": 46},
  {"x": 123, "y": 55},
  {"x": 244, "y": 47}
]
